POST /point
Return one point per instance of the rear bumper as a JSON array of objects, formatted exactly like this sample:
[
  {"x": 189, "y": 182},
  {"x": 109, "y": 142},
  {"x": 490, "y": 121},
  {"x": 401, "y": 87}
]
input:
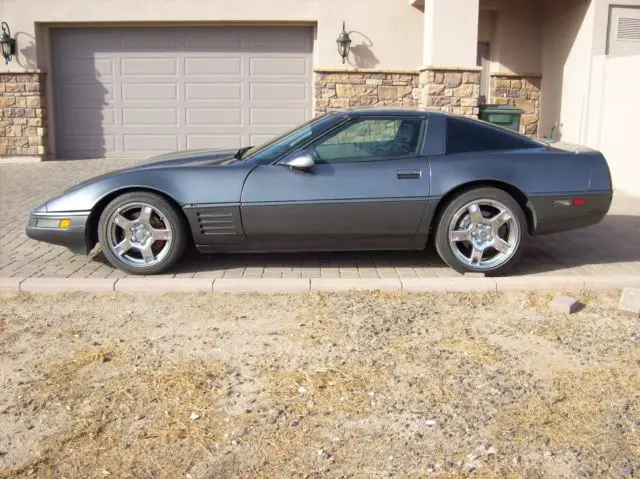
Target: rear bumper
[
  {"x": 40, "y": 228},
  {"x": 554, "y": 214}
]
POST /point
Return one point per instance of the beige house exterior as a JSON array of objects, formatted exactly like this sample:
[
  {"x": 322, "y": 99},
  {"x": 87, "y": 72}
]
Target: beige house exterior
[{"x": 110, "y": 78}]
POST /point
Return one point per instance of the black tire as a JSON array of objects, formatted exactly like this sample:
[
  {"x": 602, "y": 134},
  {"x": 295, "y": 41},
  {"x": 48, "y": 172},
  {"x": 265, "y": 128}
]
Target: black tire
[
  {"x": 444, "y": 248},
  {"x": 177, "y": 224}
]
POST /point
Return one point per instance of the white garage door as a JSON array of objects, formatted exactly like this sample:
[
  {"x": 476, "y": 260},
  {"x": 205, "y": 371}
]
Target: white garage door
[{"x": 135, "y": 92}]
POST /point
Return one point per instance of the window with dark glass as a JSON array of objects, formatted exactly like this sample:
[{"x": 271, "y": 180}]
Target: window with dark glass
[{"x": 464, "y": 136}]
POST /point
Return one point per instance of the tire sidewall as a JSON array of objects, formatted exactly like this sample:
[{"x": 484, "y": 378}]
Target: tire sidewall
[
  {"x": 176, "y": 222},
  {"x": 442, "y": 232}
]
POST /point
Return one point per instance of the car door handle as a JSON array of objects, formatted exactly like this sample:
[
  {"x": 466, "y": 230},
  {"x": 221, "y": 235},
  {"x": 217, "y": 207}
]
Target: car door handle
[{"x": 409, "y": 174}]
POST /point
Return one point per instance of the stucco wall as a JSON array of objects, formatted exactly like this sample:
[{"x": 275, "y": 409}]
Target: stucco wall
[
  {"x": 517, "y": 35},
  {"x": 450, "y": 33},
  {"x": 594, "y": 97},
  {"x": 619, "y": 123},
  {"x": 566, "y": 51},
  {"x": 385, "y": 33}
]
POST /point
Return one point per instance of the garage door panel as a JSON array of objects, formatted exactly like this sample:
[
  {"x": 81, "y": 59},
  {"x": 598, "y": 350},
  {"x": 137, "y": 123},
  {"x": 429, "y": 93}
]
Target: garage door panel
[
  {"x": 154, "y": 40},
  {"x": 133, "y": 92},
  {"x": 86, "y": 42},
  {"x": 213, "y": 91},
  {"x": 195, "y": 142},
  {"x": 278, "y": 66},
  {"x": 210, "y": 65},
  {"x": 89, "y": 119},
  {"x": 79, "y": 69},
  {"x": 83, "y": 146},
  {"x": 149, "y": 92},
  {"x": 149, "y": 116},
  {"x": 85, "y": 94},
  {"x": 214, "y": 116},
  {"x": 277, "y": 116},
  {"x": 150, "y": 143},
  {"x": 148, "y": 66},
  {"x": 221, "y": 39},
  {"x": 278, "y": 91},
  {"x": 272, "y": 40}
]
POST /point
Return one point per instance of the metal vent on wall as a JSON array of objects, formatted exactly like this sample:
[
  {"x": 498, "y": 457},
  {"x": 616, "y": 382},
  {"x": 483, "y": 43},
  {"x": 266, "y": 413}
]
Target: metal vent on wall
[{"x": 628, "y": 29}]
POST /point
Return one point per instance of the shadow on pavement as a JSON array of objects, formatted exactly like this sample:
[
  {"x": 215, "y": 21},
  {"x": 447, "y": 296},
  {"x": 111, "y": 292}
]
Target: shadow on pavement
[{"x": 613, "y": 241}]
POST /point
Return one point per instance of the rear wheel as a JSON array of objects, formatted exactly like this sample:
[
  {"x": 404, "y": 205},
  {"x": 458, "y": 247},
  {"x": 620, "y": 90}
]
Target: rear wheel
[
  {"x": 142, "y": 233},
  {"x": 482, "y": 230}
]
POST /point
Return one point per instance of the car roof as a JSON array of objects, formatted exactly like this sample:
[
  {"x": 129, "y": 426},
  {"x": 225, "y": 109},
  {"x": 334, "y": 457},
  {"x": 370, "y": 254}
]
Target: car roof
[{"x": 390, "y": 111}]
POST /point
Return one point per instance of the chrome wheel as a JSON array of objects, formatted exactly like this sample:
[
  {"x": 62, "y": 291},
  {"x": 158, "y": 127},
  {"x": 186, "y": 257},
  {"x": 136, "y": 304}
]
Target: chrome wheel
[
  {"x": 484, "y": 234},
  {"x": 139, "y": 234}
]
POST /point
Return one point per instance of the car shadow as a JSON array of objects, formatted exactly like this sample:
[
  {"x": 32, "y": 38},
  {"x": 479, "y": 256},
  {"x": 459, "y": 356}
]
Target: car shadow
[{"x": 614, "y": 240}]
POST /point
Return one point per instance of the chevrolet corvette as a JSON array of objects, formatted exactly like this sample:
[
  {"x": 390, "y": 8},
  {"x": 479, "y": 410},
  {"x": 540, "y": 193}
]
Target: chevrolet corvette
[{"x": 358, "y": 179}]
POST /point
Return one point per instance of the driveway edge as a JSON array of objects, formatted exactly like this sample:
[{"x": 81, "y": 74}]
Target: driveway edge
[{"x": 300, "y": 285}]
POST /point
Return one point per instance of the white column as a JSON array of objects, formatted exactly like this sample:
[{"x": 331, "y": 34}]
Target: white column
[{"x": 451, "y": 33}]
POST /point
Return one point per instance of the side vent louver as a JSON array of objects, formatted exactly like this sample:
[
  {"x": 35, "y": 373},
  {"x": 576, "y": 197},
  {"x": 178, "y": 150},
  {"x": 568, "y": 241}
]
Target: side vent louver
[
  {"x": 628, "y": 29},
  {"x": 216, "y": 223}
]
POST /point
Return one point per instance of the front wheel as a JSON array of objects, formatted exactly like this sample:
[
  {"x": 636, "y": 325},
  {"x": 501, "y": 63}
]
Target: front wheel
[
  {"x": 482, "y": 230},
  {"x": 142, "y": 233}
]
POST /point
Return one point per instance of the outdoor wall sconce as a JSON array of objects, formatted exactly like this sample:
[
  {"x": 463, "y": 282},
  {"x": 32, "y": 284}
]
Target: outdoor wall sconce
[
  {"x": 8, "y": 43},
  {"x": 344, "y": 43}
]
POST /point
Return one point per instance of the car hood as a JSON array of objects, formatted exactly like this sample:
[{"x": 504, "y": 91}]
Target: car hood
[
  {"x": 217, "y": 157},
  {"x": 183, "y": 159}
]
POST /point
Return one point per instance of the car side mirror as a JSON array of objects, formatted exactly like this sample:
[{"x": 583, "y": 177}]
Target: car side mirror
[{"x": 302, "y": 161}]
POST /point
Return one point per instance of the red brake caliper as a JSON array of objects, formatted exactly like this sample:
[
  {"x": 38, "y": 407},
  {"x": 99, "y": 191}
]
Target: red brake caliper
[{"x": 159, "y": 244}]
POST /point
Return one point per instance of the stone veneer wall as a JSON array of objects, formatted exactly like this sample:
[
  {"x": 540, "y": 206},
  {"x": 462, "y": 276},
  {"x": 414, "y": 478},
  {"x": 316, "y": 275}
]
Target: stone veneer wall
[
  {"x": 22, "y": 114},
  {"x": 450, "y": 90},
  {"x": 522, "y": 92},
  {"x": 335, "y": 90}
]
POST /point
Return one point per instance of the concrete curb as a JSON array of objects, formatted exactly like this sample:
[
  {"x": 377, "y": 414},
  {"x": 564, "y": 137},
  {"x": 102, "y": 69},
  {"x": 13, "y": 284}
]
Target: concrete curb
[{"x": 298, "y": 285}]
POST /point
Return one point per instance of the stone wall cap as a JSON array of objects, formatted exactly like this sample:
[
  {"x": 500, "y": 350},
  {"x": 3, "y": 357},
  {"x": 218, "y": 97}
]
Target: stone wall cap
[
  {"x": 22, "y": 72},
  {"x": 515, "y": 75},
  {"x": 366, "y": 70},
  {"x": 450, "y": 68}
]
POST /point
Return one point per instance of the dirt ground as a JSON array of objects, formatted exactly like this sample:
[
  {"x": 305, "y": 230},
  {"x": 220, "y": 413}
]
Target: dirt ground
[{"x": 317, "y": 385}]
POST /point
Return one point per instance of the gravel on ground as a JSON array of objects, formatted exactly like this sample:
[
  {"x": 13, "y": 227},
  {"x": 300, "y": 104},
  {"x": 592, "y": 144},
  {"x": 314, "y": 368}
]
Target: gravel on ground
[{"x": 317, "y": 385}]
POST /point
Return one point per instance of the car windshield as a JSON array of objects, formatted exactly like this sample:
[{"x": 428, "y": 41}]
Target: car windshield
[{"x": 275, "y": 148}]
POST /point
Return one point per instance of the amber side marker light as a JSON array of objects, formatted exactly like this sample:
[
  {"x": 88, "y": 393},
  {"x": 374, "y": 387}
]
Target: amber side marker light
[{"x": 64, "y": 223}]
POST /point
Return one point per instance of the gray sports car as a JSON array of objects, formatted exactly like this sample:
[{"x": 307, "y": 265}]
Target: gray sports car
[{"x": 359, "y": 179}]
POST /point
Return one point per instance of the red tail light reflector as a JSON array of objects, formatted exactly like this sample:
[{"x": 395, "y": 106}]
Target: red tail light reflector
[{"x": 579, "y": 202}]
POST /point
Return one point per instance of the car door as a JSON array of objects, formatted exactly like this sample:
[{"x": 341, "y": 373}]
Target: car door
[{"x": 368, "y": 188}]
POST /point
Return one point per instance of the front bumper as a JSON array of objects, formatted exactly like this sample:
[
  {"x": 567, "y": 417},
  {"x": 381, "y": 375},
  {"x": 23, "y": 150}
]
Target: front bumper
[{"x": 43, "y": 227}]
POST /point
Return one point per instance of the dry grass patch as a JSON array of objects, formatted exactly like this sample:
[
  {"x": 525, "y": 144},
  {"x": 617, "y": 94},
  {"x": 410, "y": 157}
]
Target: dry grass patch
[
  {"x": 128, "y": 421},
  {"x": 345, "y": 390},
  {"x": 594, "y": 413}
]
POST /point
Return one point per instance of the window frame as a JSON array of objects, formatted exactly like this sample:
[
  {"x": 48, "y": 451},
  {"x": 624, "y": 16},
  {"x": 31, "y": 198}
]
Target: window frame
[{"x": 424, "y": 121}]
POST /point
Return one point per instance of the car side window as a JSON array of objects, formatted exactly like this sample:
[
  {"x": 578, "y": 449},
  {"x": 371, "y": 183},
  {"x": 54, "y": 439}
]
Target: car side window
[
  {"x": 372, "y": 139},
  {"x": 464, "y": 136}
]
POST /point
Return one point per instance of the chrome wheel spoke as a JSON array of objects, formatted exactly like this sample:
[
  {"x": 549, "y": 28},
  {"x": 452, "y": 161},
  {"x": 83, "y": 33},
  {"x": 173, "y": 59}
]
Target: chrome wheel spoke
[
  {"x": 122, "y": 222},
  {"x": 501, "y": 245},
  {"x": 500, "y": 219},
  {"x": 460, "y": 235},
  {"x": 147, "y": 254},
  {"x": 475, "y": 213},
  {"x": 476, "y": 255},
  {"x": 163, "y": 235},
  {"x": 122, "y": 247},
  {"x": 145, "y": 215}
]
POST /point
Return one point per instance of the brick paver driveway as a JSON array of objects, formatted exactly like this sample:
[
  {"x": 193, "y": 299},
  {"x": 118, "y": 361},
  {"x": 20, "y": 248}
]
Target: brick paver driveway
[{"x": 610, "y": 248}]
